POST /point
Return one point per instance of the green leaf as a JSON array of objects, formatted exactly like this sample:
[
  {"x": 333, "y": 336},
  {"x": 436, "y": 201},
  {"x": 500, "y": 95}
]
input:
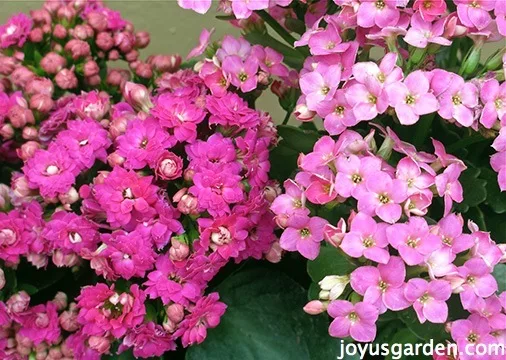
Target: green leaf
[
  {"x": 283, "y": 161},
  {"x": 330, "y": 262},
  {"x": 30, "y": 289},
  {"x": 424, "y": 331},
  {"x": 496, "y": 199},
  {"x": 474, "y": 189},
  {"x": 405, "y": 337},
  {"x": 500, "y": 275},
  {"x": 298, "y": 139},
  {"x": 264, "y": 320}
]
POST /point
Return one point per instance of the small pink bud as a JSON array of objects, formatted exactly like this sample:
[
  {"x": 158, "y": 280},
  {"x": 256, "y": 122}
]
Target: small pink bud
[
  {"x": 169, "y": 326},
  {"x": 105, "y": 41},
  {"x": 36, "y": 35},
  {"x": 179, "y": 195},
  {"x": 118, "y": 127},
  {"x": 169, "y": 166},
  {"x": 189, "y": 174},
  {"x": 7, "y": 131},
  {"x": 42, "y": 103},
  {"x": 27, "y": 150},
  {"x": 315, "y": 307},
  {"x": 60, "y": 32},
  {"x": 114, "y": 55},
  {"x": 78, "y": 49},
  {"x": 82, "y": 32},
  {"x": 66, "y": 79},
  {"x": 272, "y": 190},
  {"x": 60, "y": 300},
  {"x": 97, "y": 20},
  {"x": 91, "y": 68},
  {"x": 20, "y": 116},
  {"x": 7, "y": 65},
  {"x": 39, "y": 86},
  {"x": 116, "y": 78},
  {"x": 132, "y": 56},
  {"x": 54, "y": 354},
  {"x": 4, "y": 196},
  {"x": 188, "y": 205},
  {"x": 144, "y": 70},
  {"x": 142, "y": 39},
  {"x": 124, "y": 41},
  {"x": 21, "y": 76},
  {"x": 281, "y": 220},
  {"x": 165, "y": 63},
  {"x": 114, "y": 159},
  {"x": 20, "y": 187},
  {"x": 66, "y": 13},
  {"x": 41, "y": 17},
  {"x": 263, "y": 78},
  {"x": 2, "y": 279},
  {"x": 138, "y": 96},
  {"x": 99, "y": 344},
  {"x": 70, "y": 197},
  {"x": 302, "y": 113},
  {"x": 61, "y": 259},
  {"x": 18, "y": 302},
  {"x": 93, "y": 80},
  {"x": 175, "y": 312},
  {"x": 274, "y": 254},
  {"x": 178, "y": 250}
]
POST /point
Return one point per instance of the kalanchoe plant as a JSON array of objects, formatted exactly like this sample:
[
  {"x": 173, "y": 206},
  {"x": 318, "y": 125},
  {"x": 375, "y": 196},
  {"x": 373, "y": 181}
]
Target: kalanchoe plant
[{"x": 411, "y": 149}]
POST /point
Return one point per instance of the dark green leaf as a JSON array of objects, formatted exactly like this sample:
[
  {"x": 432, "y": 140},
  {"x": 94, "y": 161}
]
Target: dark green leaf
[
  {"x": 500, "y": 275},
  {"x": 298, "y": 139},
  {"x": 283, "y": 161},
  {"x": 424, "y": 331},
  {"x": 30, "y": 289},
  {"x": 330, "y": 262},
  {"x": 406, "y": 337},
  {"x": 264, "y": 320},
  {"x": 496, "y": 199},
  {"x": 474, "y": 189}
]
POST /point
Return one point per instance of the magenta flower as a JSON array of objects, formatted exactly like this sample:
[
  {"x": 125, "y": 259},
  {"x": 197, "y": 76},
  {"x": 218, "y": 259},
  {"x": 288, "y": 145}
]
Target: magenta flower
[
  {"x": 413, "y": 240},
  {"x": 429, "y": 299},
  {"x": 412, "y": 98},
  {"x": 147, "y": 340},
  {"x": 493, "y": 96},
  {"x": 199, "y": 6},
  {"x": 475, "y": 13},
  {"x": 15, "y": 31},
  {"x": 383, "y": 197},
  {"x": 469, "y": 333},
  {"x": 204, "y": 40},
  {"x": 458, "y": 101},
  {"x": 366, "y": 238},
  {"x": 430, "y": 9},
  {"x": 382, "y": 286},
  {"x": 357, "y": 321},
  {"x": 320, "y": 85},
  {"x": 304, "y": 235},
  {"x": 321, "y": 188},
  {"x": 448, "y": 185},
  {"x": 232, "y": 111},
  {"x": 143, "y": 143},
  {"x": 367, "y": 99},
  {"x": 381, "y": 13},
  {"x": 226, "y": 235},
  {"x": 324, "y": 152},
  {"x": 243, "y": 74},
  {"x": 205, "y": 315},
  {"x": 478, "y": 282},
  {"x": 51, "y": 171},
  {"x": 40, "y": 324},
  {"x": 422, "y": 33},
  {"x": 449, "y": 229}
]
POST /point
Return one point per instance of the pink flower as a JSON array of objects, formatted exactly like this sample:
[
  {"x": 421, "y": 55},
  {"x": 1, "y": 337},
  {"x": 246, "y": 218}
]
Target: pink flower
[
  {"x": 320, "y": 85},
  {"x": 497, "y": 162},
  {"x": 337, "y": 114},
  {"x": 478, "y": 282},
  {"x": 126, "y": 196},
  {"x": 430, "y": 9},
  {"x": 226, "y": 235},
  {"x": 204, "y": 40},
  {"x": 292, "y": 201},
  {"x": 429, "y": 299},
  {"x": 304, "y": 235},
  {"x": 440, "y": 263},
  {"x": 15, "y": 31},
  {"x": 199, "y": 6},
  {"x": 409, "y": 172},
  {"x": 328, "y": 41},
  {"x": 13, "y": 241},
  {"x": 366, "y": 238},
  {"x": 385, "y": 74},
  {"x": 422, "y": 33},
  {"x": 412, "y": 98},
  {"x": 148, "y": 340},
  {"x": 243, "y": 9},
  {"x": 92, "y": 105},
  {"x": 357, "y": 321},
  {"x": 382, "y": 286},
  {"x": 493, "y": 95},
  {"x": 243, "y": 75},
  {"x": 205, "y": 315},
  {"x": 448, "y": 185},
  {"x": 458, "y": 101},
  {"x": 218, "y": 153},
  {"x": 52, "y": 171},
  {"x": 379, "y": 12},
  {"x": 102, "y": 310},
  {"x": 367, "y": 99},
  {"x": 168, "y": 166},
  {"x": 413, "y": 240},
  {"x": 232, "y": 111},
  {"x": 324, "y": 152},
  {"x": 40, "y": 323},
  {"x": 383, "y": 197},
  {"x": 143, "y": 143},
  {"x": 469, "y": 333},
  {"x": 449, "y": 229},
  {"x": 475, "y": 13},
  {"x": 270, "y": 61}
]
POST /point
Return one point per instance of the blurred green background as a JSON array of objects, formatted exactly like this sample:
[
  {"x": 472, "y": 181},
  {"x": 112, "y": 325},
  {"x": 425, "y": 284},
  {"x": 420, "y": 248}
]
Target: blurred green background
[{"x": 172, "y": 29}]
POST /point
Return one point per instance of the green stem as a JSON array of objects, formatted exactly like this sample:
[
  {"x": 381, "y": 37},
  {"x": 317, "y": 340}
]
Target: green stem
[
  {"x": 462, "y": 143},
  {"x": 287, "y": 117},
  {"x": 422, "y": 129}
]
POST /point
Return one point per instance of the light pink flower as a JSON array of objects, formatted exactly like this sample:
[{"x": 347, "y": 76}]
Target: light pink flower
[
  {"x": 204, "y": 40},
  {"x": 493, "y": 96},
  {"x": 449, "y": 229},
  {"x": 475, "y": 13},
  {"x": 387, "y": 72},
  {"x": 367, "y": 99},
  {"x": 292, "y": 201},
  {"x": 244, "y": 8},
  {"x": 448, "y": 185},
  {"x": 304, "y": 235},
  {"x": 478, "y": 282},
  {"x": 429, "y": 299},
  {"x": 353, "y": 172},
  {"x": 320, "y": 85},
  {"x": 200, "y": 6},
  {"x": 430, "y": 9},
  {"x": 458, "y": 101},
  {"x": 469, "y": 333},
  {"x": 357, "y": 321},
  {"x": 440, "y": 263},
  {"x": 377, "y": 12},
  {"x": 243, "y": 74},
  {"x": 416, "y": 180},
  {"x": 422, "y": 33},
  {"x": 324, "y": 152}
]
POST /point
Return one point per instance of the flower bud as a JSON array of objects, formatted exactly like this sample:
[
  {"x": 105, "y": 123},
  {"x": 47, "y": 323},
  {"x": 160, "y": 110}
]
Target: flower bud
[
  {"x": 42, "y": 103},
  {"x": 114, "y": 159},
  {"x": 2, "y": 279},
  {"x": 18, "y": 302},
  {"x": 20, "y": 116},
  {"x": 178, "y": 251},
  {"x": 165, "y": 63},
  {"x": 66, "y": 13},
  {"x": 39, "y": 86},
  {"x": 272, "y": 190},
  {"x": 60, "y": 32},
  {"x": 93, "y": 80},
  {"x": 302, "y": 113},
  {"x": 169, "y": 326},
  {"x": 70, "y": 197},
  {"x": 68, "y": 320},
  {"x": 41, "y": 17},
  {"x": 124, "y": 41},
  {"x": 169, "y": 166},
  {"x": 175, "y": 312},
  {"x": 274, "y": 254},
  {"x": 7, "y": 131},
  {"x": 21, "y": 76},
  {"x": 335, "y": 286},
  {"x": 105, "y": 41},
  {"x": 138, "y": 96},
  {"x": 334, "y": 234},
  {"x": 144, "y": 70},
  {"x": 60, "y": 300},
  {"x": 315, "y": 307},
  {"x": 54, "y": 354},
  {"x": 78, "y": 49},
  {"x": 82, "y": 32},
  {"x": 36, "y": 35},
  {"x": 7, "y": 65},
  {"x": 20, "y": 187},
  {"x": 66, "y": 79},
  {"x": 188, "y": 205},
  {"x": 116, "y": 78},
  {"x": 27, "y": 150},
  {"x": 99, "y": 344},
  {"x": 91, "y": 68},
  {"x": 97, "y": 20},
  {"x": 132, "y": 56},
  {"x": 61, "y": 259},
  {"x": 4, "y": 196},
  {"x": 142, "y": 39}
]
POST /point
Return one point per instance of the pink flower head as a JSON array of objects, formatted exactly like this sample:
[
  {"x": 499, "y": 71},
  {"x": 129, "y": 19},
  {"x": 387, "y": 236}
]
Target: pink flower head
[
  {"x": 368, "y": 99},
  {"x": 475, "y": 13},
  {"x": 413, "y": 240},
  {"x": 179, "y": 114},
  {"x": 92, "y": 105},
  {"x": 448, "y": 185},
  {"x": 416, "y": 180},
  {"x": 15, "y": 31},
  {"x": 304, "y": 235},
  {"x": 422, "y": 33},
  {"x": 366, "y": 238},
  {"x": 449, "y": 229},
  {"x": 384, "y": 74},
  {"x": 497, "y": 162},
  {"x": 243, "y": 9},
  {"x": 51, "y": 171},
  {"x": 199, "y": 6},
  {"x": 226, "y": 235},
  {"x": 143, "y": 143},
  {"x": 172, "y": 283},
  {"x": 217, "y": 153},
  {"x": 357, "y": 321},
  {"x": 440, "y": 263},
  {"x": 243, "y": 74},
  {"x": 412, "y": 98},
  {"x": 85, "y": 141},
  {"x": 40, "y": 323},
  {"x": 379, "y": 12},
  {"x": 320, "y": 85},
  {"x": 13, "y": 241},
  {"x": 233, "y": 46},
  {"x": 324, "y": 152},
  {"x": 204, "y": 40},
  {"x": 232, "y": 111},
  {"x": 493, "y": 95},
  {"x": 126, "y": 196},
  {"x": 215, "y": 191},
  {"x": 478, "y": 282},
  {"x": 429, "y": 299},
  {"x": 327, "y": 41},
  {"x": 292, "y": 201},
  {"x": 382, "y": 286},
  {"x": 383, "y": 197},
  {"x": 430, "y": 9},
  {"x": 102, "y": 310},
  {"x": 458, "y": 101},
  {"x": 337, "y": 114},
  {"x": 469, "y": 333},
  {"x": 270, "y": 61},
  {"x": 148, "y": 340},
  {"x": 205, "y": 315}
]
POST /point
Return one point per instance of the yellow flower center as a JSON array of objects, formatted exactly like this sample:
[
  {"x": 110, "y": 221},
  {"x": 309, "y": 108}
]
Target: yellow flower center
[
  {"x": 305, "y": 232},
  {"x": 380, "y": 4},
  {"x": 356, "y": 178},
  {"x": 410, "y": 100},
  {"x": 456, "y": 100},
  {"x": 384, "y": 199}
]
